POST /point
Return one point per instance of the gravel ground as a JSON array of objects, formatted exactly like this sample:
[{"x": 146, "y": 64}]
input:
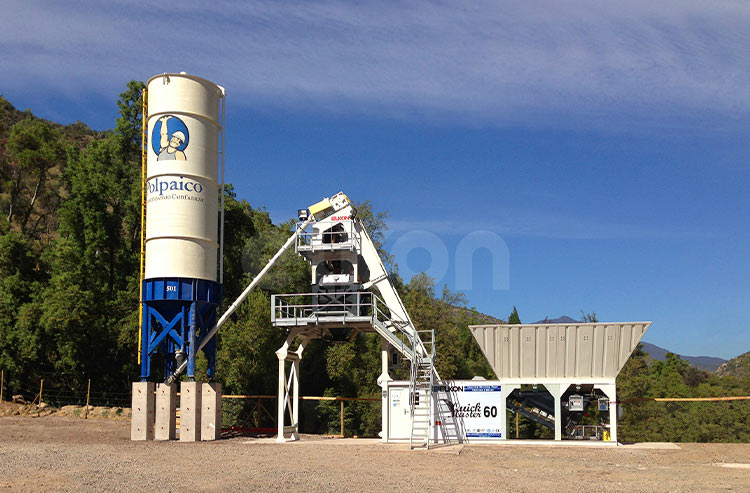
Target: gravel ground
[{"x": 65, "y": 453}]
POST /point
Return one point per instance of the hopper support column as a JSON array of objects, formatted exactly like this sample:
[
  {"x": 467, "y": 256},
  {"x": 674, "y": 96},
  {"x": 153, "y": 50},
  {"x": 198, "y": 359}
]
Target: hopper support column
[
  {"x": 610, "y": 391},
  {"x": 383, "y": 380},
  {"x": 556, "y": 391},
  {"x": 288, "y": 396}
]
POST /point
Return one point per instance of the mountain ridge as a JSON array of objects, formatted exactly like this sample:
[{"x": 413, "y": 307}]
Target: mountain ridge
[{"x": 707, "y": 363}]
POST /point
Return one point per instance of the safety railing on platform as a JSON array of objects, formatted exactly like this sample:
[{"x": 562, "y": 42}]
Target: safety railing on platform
[
  {"x": 353, "y": 305},
  {"x": 340, "y": 308},
  {"x": 343, "y": 236}
]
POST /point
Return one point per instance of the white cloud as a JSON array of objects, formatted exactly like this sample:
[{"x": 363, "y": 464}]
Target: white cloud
[{"x": 507, "y": 62}]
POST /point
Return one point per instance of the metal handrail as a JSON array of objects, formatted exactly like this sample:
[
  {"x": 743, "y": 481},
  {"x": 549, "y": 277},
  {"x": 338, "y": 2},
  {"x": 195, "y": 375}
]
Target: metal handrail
[
  {"x": 368, "y": 304},
  {"x": 315, "y": 240},
  {"x": 283, "y": 306},
  {"x": 579, "y": 432}
]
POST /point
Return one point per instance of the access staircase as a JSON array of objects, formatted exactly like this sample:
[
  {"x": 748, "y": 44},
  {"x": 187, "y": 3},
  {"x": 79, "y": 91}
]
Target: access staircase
[
  {"x": 422, "y": 371},
  {"x": 451, "y": 429}
]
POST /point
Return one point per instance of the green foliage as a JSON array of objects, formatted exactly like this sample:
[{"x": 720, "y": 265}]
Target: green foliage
[
  {"x": 130, "y": 121},
  {"x": 35, "y": 153},
  {"x": 727, "y": 421},
  {"x": 19, "y": 280},
  {"x": 513, "y": 318},
  {"x": 443, "y": 315},
  {"x": 239, "y": 225},
  {"x": 375, "y": 224},
  {"x": 73, "y": 261}
]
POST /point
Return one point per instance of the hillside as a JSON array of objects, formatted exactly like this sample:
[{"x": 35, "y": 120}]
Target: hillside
[
  {"x": 75, "y": 133},
  {"x": 736, "y": 367},
  {"x": 479, "y": 318},
  {"x": 33, "y": 155},
  {"x": 708, "y": 363}
]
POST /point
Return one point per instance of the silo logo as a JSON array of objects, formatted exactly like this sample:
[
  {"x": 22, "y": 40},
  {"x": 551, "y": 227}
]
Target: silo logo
[
  {"x": 170, "y": 138},
  {"x": 173, "y": 187}
]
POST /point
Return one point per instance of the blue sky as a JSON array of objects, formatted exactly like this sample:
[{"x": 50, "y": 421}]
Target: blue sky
[{"x": 604, "y": 144}]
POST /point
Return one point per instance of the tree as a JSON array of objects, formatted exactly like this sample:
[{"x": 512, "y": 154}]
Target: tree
[
  {"x": 35, "y": 157},
  {"x": 87, "y": 311},
  {"x": 513, "y": 318},
  {"x": 375, "y": 224},
  {"x": 239, "y": 227},
  {"x": 130, "y": 122},
  {"x": 589, "y": 317},
  {"x": 20, "y": 280}
]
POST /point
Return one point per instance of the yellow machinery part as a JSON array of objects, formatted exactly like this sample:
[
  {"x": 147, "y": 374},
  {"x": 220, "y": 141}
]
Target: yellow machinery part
[
  {"x": 321, "y": 207},
  {"x": 144, "y": 156}
]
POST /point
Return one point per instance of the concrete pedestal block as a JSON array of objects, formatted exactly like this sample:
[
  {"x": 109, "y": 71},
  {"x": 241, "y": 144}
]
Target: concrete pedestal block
[
  {"x": 211, "y": 411},
  {"x": 166, "y": 412},
  {"x": 190, "y": 411},
  {"x": 142, "y": 417}
]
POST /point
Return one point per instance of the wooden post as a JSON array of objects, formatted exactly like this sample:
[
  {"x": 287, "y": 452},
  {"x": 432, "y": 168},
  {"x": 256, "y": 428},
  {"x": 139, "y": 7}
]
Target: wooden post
[
  {"x": 517, "y": 429},
  {"x": 88, "y": 393},
  {"x": 2, "y": 381},
  {"x": 342, "y": 418},
  {"x": 41, "y": 387}
]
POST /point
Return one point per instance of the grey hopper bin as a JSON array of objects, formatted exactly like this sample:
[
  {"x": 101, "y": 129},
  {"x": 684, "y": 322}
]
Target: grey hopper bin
[{"x": 558, "y": 351}]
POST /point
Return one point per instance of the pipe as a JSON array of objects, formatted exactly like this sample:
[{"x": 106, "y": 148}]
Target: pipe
[
  {"x": 223, "y": 158},
  {"x": 172, "y": 378}
]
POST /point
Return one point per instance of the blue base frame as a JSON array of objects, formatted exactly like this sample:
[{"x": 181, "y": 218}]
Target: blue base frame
[{"x": 177, "y": 314}]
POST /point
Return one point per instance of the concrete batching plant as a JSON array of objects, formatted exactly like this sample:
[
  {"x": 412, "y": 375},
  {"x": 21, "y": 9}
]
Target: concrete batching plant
[{"x": 351, "y": 293}]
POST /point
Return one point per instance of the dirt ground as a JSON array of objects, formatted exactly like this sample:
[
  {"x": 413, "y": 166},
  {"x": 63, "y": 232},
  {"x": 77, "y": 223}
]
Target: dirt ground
[
  {"x": 68, "y": 453},
  {"x": 14, "y": 409}
]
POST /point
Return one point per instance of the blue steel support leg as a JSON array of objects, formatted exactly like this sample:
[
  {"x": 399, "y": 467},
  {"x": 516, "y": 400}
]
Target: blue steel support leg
[
  {"x": 145, "y": 332},
  {"x": 207, "y": 320},
  {"x": 169, "y": 348},
  {"x": 185, "y": 330},
  {"x": 210, "y": 351},
  {"x": 191, "y": 342}
]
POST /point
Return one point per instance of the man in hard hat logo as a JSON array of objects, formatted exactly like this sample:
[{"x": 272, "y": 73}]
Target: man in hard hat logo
[{"x": 173, "y": 138}]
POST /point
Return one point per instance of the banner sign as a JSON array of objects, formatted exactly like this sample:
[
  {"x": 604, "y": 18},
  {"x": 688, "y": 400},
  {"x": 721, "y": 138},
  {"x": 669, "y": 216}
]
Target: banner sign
[{"x": 474, "y": 406}]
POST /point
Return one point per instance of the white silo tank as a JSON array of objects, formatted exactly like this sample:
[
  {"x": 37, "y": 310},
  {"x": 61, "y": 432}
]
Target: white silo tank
[{"x": 182, "y": 192}]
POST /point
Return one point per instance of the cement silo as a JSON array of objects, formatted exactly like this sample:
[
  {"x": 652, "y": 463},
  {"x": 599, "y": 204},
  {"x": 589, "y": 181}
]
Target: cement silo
[{"x": 181, "y": 272}]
